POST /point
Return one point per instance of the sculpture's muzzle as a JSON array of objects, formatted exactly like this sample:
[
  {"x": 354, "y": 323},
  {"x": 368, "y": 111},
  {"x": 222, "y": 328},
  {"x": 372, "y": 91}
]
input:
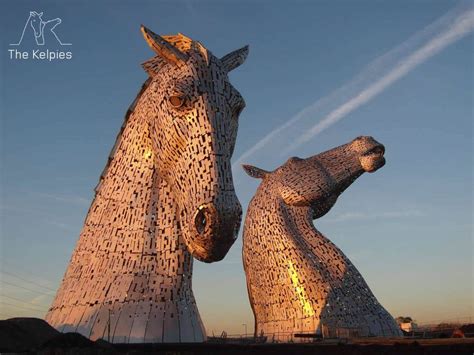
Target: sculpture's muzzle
[
  {"x": 370, "y": 153},
  {"x": 213, "y": 229}
]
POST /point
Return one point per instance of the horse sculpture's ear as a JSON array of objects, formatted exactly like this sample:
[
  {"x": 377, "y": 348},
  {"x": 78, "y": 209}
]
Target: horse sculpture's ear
[
  {"x": 163, "y": 48},
  {"x": 235, "y": 58},
  {"x": 254, "y": 171}
]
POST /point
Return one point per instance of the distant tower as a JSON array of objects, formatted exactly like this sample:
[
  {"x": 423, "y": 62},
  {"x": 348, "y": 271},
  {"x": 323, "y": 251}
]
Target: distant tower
[
  {"x": 165, "y": 195},
  {"x": 298, "y": 280}
]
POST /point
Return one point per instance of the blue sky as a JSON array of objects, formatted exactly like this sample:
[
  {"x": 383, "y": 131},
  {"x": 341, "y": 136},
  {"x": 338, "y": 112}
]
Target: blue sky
[{"x": 407, "y": 228}]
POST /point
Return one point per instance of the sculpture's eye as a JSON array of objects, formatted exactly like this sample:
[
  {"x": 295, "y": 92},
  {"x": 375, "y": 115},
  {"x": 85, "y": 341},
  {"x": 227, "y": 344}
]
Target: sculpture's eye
[{"x": 176, "y": 101}]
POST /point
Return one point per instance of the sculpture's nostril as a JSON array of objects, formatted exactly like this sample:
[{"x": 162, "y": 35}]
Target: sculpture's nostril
[
  {"x": 214, "y": 223},
  {"x": 200, "y": 220}
]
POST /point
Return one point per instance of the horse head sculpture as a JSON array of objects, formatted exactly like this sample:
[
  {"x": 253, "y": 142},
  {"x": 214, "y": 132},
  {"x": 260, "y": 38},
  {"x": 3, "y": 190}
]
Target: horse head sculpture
[
  {"x": 165, "y": 195},
  {"x": 317, "y": 181},
  {"x": 193, "y": 130},
  {"x": 297, "y": 279}
]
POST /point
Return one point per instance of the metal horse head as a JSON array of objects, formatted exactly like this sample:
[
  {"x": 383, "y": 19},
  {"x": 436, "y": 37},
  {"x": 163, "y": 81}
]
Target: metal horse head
[
  {"x": 317, "y": 181},
  {"x": 317, "y": 288},
  {"x": 193, "y": 130}
]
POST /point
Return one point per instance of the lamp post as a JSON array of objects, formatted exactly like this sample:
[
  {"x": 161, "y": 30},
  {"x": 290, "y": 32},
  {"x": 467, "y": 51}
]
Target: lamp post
[{"x": 245, "y": 325}]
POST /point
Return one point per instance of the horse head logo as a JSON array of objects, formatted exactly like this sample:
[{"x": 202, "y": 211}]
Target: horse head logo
[{"x": 40, "y": 27}]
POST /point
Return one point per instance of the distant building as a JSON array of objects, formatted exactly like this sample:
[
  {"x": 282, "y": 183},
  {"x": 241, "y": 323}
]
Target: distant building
[
  {"x": 407, "y": 327},
  {"x": 407, "y": 324},
  {"x": 465, "y": 331}
]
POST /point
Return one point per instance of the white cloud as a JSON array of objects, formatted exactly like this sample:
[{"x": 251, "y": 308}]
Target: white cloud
[
  {"x": 350, "y": 216},
  {"x": 41, "y": 300},
  {"x": 67, "y": 198}
]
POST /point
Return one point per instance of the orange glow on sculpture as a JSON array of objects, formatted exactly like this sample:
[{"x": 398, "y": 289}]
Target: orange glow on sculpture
[
  {"x": 300, "y": 291},
  {"x": 148, "y": 154}
]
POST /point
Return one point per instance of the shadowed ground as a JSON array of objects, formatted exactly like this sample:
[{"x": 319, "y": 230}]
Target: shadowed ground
[{"x": 36, "y": 336}]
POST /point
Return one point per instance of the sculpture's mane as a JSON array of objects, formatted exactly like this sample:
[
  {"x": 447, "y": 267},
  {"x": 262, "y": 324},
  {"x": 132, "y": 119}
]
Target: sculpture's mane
[{"x": 130, "y": 110}]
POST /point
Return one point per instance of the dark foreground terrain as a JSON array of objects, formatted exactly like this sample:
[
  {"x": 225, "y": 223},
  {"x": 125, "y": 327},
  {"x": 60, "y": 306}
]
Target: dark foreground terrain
[{"x": 31, "y": 335}]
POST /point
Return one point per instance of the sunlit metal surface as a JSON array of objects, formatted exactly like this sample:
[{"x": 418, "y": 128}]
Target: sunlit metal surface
[
  {"x": 129, "y": 278},
  {"x": 298, "y": 281}
]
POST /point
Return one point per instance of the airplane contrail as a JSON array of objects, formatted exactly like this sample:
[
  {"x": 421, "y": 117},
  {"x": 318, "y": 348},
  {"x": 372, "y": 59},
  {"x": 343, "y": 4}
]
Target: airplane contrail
[
  {"x": 378, "y": 75},
  {"x": 462, "y": 26}
]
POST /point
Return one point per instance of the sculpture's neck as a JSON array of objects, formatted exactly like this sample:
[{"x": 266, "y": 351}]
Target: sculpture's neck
[
  {"x": 139, "y": 206},
  {"x": 339, "y": 178},
  {"x": 311, "y": 247},
  {"x": 130, "y": 271}
]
